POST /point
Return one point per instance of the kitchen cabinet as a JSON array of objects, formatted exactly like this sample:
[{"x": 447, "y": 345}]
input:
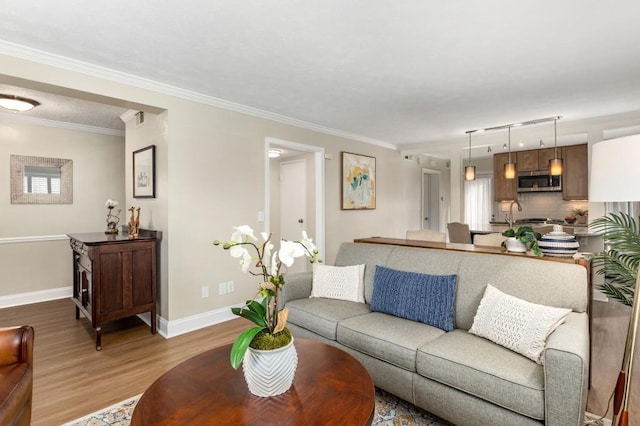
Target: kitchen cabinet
[
  {"x": 114, "y": 277},
  {"x": 544, "y": 155},
  {"x": 503, "y": 189},
  {"x": 535, "y": 159},
  {"x": 527, "y": 161},
  {"x": 575, "y": 173}
]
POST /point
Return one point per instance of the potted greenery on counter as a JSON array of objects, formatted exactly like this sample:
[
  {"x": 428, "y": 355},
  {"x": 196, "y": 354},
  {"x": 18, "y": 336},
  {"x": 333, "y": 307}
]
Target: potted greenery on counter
[{"x": 521, "y": 237}]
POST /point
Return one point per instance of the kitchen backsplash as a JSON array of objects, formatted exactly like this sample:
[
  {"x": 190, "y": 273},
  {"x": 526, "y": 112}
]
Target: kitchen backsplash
[{"x": 539, "y": 205}]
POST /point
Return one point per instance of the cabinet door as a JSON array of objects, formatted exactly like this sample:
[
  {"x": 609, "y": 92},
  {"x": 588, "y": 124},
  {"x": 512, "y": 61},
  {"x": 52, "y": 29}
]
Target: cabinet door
[
  {"x": 503, "y": 189},
  {"x": 527, "y": 161},
  {"x": 544, "y": 155},
  {"x": 127, "y": 277},
  {"x": 575, "y": 176}
]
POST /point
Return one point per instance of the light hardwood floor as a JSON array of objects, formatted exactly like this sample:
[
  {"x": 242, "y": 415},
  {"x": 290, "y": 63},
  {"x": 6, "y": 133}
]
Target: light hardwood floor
[{"x": 72, "y": 379}]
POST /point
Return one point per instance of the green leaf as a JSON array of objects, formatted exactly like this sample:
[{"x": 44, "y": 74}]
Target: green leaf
[
  {"x": 258, "y": 308},
  {"x": 240, "y": 346},
  {"x": 248, "y": 313},
  {"x": 619, "y": 264}
]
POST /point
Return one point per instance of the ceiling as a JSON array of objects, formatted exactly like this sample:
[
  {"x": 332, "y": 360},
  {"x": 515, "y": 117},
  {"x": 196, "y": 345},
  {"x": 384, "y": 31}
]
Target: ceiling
[{"x": 399, "y": 73}]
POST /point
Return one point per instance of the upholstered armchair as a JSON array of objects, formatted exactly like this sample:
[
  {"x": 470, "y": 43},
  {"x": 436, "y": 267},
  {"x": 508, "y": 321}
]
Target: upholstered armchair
[{"x": 16, "y": 375}]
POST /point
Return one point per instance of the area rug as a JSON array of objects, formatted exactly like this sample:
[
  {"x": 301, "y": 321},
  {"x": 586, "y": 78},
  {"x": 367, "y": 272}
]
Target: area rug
[{"x": 390, "y": 411}]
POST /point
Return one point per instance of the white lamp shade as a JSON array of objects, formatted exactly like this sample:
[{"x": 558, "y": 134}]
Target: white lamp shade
[
  {"x": 510, "y": 171},
  {"x": 615, "y": 170},
  {"x": 470, "y": 173}
]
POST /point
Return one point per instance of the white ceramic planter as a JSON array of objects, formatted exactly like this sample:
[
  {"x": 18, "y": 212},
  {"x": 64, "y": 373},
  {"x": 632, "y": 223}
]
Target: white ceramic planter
[
  {"x": 270, "y": 373},
  {"x": 516, "y": 246}
]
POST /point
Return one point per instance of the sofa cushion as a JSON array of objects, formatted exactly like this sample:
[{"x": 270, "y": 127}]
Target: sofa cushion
[
  {"x": 321, "y": 315},
  {"x": 386, "y": 337},
  {"x": 515, "y": 323},
  {"x": 338, "y": 282},
  {"x": 419, "y": 297},
  {"x": 481, "y": 368},
  {"x": 369, "y": 254}
]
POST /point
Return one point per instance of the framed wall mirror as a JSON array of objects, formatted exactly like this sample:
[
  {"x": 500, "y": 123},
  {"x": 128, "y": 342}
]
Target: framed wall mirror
[{"x": 41, "y": 180}]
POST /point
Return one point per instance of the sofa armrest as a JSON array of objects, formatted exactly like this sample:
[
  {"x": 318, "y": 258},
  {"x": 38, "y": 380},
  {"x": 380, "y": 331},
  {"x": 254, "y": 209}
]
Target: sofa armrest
[
  {"x": 566, "y": 372},
  {"x": 296, "y": 286},
  {"x": 16, "y": 345}
]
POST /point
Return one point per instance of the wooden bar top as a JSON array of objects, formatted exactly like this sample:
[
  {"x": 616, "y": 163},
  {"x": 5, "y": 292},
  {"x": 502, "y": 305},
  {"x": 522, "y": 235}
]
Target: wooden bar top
[{"x": 464, "y": 247}]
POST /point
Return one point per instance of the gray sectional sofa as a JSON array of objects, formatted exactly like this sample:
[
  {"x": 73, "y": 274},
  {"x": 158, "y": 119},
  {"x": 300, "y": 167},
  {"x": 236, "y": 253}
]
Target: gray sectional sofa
[{"x": 459, "y": 376}]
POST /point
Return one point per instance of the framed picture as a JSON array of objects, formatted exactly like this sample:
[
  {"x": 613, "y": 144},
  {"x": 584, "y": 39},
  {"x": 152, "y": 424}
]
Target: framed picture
[
  {"x": 358, "y": 182},
  {"x": 144, "y": 172}
]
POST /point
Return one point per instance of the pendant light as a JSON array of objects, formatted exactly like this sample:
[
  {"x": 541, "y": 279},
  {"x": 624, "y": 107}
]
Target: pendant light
[
  {"x": 555, "y": 164},
  {"x": 470, "y": 171},
  {"x": 510, "y": 168}
]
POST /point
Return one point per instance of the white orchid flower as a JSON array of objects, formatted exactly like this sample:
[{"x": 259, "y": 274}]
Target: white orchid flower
[
  {"x": 238, "y": 251},
  {"x": 110, "y": 204},
  {"x": 289, "y": 250},
  {"x": 243, "y": 234},
  {"x": 273, "y": 268},
  {"x": 308, "y": 244},
  {"x": 245, "y": 263}
]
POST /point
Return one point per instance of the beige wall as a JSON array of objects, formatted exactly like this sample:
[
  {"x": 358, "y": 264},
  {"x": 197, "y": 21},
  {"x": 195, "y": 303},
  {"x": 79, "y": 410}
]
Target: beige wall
[
  {"x": 213, "y": 178},
  {"x": 98, "y": 174}
]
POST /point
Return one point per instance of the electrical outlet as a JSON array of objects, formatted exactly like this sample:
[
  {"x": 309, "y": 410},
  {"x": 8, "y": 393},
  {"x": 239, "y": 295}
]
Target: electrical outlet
[
  {"x": 222, "y": 288},
  {"x": 231, "y": 286},
  {"x": 205, "y": 291}
]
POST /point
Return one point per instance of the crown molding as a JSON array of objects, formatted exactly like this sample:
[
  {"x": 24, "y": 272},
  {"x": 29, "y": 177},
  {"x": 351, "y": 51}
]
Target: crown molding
[
  {"x": 61, "y": 124},
  {"x": 128, "y": 115},
  {"x": 69, "y": 64}
]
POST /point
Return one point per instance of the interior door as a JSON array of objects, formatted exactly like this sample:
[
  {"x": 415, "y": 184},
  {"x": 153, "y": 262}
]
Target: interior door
[
  {"x": 430, "y": 201},
  {"x": 293, "y": 205}
]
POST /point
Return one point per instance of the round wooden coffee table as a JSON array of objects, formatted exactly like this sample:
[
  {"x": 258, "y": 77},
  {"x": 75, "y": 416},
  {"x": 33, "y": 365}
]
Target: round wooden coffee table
[{"x": 330, "y": 387}]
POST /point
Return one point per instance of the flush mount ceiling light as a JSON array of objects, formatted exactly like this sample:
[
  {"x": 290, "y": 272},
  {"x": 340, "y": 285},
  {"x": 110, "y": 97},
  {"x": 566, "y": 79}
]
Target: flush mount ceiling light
[
  {"x": 17, "y": 103},
  {"x": 274, "y": 153},
  {"x": 470, "y": 171},
  {"x": 555, "y": 164}
]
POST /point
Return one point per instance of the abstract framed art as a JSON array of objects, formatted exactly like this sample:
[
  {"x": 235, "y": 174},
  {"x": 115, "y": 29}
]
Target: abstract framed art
[
  {"x": 144, "y": 172},
  {"x": 358, "y": 182}
]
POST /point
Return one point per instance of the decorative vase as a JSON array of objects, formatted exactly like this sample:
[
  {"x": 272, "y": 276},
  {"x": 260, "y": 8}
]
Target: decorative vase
[
  {"x": 582, "y": 220},
  {"x": 515, "y": 245},
  {"x": 270, "y": 372},
  {"x": 558, "y": 243}
]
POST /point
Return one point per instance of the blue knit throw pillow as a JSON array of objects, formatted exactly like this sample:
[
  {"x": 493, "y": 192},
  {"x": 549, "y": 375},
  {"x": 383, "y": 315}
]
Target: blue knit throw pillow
[{"x": 426, "y": 298}]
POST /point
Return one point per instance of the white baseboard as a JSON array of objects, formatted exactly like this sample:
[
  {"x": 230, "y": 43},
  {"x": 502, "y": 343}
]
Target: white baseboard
[
  {"x": 166, "y": 329},
  {"x": 35, "y": 297},
  {"x": 169, "y": 329}
]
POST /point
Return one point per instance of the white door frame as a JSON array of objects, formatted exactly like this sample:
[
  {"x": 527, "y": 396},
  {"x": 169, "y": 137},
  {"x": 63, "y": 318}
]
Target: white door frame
[
  {"x": 318, "y": 235},
  {"x": 423, "y": 213}
]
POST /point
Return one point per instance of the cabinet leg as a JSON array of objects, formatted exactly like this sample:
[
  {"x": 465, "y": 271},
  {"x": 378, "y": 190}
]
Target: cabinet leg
[
  {"x": 154, "y": 326},
  {"x": 77, "y": 313},
  {"x": 98, "y": 338}
]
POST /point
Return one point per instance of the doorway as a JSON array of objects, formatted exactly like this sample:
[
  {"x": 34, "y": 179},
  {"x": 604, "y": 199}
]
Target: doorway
[
  {"x": 284, "y": 203},
  {"x": 430, "y": 199}
]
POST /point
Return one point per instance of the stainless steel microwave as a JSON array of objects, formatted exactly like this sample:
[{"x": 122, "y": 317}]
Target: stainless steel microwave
[{"x": 539, "y": 182}]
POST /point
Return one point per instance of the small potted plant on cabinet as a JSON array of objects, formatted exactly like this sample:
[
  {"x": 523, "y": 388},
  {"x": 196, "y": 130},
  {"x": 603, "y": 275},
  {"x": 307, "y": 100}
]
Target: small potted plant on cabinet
[
  {"x": 581, "y": 215},
  {"x": 520, "y": 238}
]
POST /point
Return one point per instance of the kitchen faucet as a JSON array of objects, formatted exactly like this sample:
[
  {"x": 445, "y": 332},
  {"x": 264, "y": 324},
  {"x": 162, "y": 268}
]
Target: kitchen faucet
[{"x": 511, "y": 211}]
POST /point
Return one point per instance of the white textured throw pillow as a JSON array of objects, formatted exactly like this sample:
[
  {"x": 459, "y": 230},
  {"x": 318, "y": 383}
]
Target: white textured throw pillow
[
  {"x": 338, "y": 282},
  {"x": 516, "y": 324}
]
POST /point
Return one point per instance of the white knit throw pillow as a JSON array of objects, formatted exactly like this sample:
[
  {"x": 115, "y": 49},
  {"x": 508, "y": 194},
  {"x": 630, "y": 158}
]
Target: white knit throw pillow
[
  {"x": 338, "y": 282},
  {"x": 516, "y": 324}
]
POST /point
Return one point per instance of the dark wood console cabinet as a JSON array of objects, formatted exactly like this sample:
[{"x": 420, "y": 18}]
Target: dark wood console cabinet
[{"x": 114, "y": 277}]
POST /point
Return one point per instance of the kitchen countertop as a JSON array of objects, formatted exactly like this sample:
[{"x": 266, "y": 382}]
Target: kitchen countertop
[{"x": 578, "y": 230}]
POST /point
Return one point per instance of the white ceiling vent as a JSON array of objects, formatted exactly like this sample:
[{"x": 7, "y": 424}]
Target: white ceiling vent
[{"x": 139, "y": 118}]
